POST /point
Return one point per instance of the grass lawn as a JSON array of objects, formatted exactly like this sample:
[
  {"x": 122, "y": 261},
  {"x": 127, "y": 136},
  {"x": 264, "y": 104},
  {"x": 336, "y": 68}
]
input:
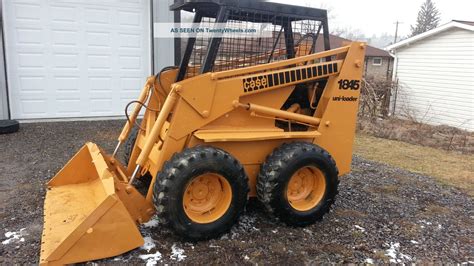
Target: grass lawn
[{"x": 448, "y": 167}]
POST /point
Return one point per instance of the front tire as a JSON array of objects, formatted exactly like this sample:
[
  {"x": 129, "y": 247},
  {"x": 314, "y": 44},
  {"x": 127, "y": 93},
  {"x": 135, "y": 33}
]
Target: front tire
[
  {"x": 145, "y": 180},
  {"x": 298, "y": 183},
  {"x": 201, "y": 192}
]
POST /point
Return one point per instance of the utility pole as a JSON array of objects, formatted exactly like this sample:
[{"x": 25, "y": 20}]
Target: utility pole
[{"x": 396, "y": 30}]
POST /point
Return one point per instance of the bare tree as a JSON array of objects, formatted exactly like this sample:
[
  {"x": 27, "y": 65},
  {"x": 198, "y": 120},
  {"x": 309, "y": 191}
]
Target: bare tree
[
  {"x": 349, "y": 33},
  {"x": 428, "y": 18}
]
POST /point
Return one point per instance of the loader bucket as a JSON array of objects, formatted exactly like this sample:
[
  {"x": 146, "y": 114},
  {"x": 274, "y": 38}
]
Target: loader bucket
[{"x": 85, "y": 211}]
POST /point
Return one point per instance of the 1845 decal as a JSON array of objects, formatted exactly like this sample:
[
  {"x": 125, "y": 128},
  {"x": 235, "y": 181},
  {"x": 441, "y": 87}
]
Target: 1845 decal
[{"x": 345, "y": 84}]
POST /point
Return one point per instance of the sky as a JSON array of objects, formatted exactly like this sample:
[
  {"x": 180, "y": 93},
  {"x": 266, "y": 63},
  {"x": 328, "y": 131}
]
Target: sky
[{"x": 378, "y": 16}]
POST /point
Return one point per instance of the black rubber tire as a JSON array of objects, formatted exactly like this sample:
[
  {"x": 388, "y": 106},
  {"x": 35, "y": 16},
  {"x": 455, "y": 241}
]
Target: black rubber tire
[
  {"x": 172, "y": 182},
  {"x": 276, "y": 172},
  {"x": 145, "y": 179},
  {"x": 9, "y": 126}
]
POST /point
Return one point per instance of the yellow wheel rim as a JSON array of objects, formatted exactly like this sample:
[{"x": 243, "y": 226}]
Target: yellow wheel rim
[
  {"x": 306, "y": 188},
  {"x": 207, "y": 198}
]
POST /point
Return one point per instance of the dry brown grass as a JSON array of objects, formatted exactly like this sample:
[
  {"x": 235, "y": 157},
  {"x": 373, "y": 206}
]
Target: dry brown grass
[
  {"x": 439, "y": 137},
  {"x": 380, "y": 255},
  {"x": 410, "y": 229},
  {"x": 448, "y": 167}
]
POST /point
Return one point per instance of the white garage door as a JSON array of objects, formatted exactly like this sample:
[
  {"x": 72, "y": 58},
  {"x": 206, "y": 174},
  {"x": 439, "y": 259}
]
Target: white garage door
[{"x": 71, "y": 58}]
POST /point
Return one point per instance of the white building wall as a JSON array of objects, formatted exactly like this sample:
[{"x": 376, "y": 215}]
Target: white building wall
[
  {"x": 436, "y": 77},
  {"x": 75, "y": 59},
  {"x": 163, "y": 48},
  {"x": 3, "y": 80},
  {"x": 3, "y": 85}
]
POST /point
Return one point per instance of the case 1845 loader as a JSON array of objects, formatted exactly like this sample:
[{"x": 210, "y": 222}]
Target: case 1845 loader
[{"x": 240, "y": 117}]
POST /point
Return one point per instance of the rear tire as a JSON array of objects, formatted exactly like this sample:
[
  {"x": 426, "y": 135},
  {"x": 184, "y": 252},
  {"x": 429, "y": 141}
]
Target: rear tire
[
  {"x": 201, "y": 192},
  {"x": 298, "y": 183}
]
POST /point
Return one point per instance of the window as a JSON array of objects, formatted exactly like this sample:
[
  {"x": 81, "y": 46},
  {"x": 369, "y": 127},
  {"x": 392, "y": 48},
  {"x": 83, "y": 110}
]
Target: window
[{"x": 377, "y": 61}]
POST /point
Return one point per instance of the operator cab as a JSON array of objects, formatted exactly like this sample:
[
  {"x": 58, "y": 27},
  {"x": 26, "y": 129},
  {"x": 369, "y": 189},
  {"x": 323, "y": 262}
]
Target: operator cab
[
  {"x": 291, "y": 31},
  {"x": 294, "y": 31}
]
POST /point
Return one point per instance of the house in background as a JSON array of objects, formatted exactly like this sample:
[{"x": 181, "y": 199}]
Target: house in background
[
  {"x": 378, "y": 62},
  {"x": 435, "y": 73}
]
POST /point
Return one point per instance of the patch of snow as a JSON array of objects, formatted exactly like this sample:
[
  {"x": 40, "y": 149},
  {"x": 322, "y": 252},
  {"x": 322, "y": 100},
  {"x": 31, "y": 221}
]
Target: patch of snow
[
  {"x": 414, "y": 242},
  {"x": 15, "y": 237},
  {"x": 246, "y": 257},
  {"x": 306, "y": 230},
  {"x": 275, "y": 231},
  {"x": 151, "y": 259},
  {"x": 395, "y": 255},
  {"x": 152, "y": 223},
  {"x": 149, "y": 243},
  {"x": 362, "y": 229},
  {"x": 118, "y": 258},
  {"x": 369, "y": 261},
  {"x": 177, "y": 253},
  {"x": 440, "y": 227},
  {"x": 391, "y": 252},
  {"x": 213, "y": 246},
  {"x": 247, "y": 223},
  {"x": 405, "y": 257},
  {"x": 426, "y": 222}
]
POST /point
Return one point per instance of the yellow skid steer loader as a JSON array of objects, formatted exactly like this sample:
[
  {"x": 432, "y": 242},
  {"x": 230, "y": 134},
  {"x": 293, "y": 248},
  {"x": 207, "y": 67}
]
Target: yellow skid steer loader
[{"x": 242, "y": 116}]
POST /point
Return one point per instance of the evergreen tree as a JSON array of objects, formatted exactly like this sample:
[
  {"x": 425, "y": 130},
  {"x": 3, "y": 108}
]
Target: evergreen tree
[{"x": 428, "y": 18}]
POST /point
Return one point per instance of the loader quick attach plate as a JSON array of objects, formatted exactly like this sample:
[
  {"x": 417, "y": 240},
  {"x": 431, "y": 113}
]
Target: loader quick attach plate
[{"x": 84, "y": 217}]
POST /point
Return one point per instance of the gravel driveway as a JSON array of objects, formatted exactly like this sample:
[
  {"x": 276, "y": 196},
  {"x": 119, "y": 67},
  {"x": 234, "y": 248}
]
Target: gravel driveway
[{"x": 382, "y": 214}]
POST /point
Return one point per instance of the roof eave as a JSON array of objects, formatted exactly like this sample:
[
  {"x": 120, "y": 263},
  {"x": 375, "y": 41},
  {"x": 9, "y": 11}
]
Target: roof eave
[{"x": 428, "y": 34}]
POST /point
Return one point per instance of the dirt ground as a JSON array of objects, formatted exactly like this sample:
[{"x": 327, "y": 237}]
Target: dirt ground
[{"x": 382, "y": 213}]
